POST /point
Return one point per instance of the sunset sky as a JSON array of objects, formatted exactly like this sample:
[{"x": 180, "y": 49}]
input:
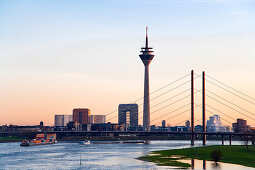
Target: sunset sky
[{"x": 56, "y": 55}]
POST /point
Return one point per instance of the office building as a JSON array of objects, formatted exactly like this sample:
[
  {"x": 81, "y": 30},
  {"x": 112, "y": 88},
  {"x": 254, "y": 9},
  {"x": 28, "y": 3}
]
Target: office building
[
  {"x": 97, "y": 119},
  {"x": 198, "y": 128},
  {"x": 163, "y": 123},
  {"x": 81, "y": 116},
  {"x": 128, "y": 116},
  {"x": 106, "y": 127},
  {"x": 240, "y": 126},
  {"x": 214, "y": 124},
  {"x": 187, "y": 124},
  {"x": 62, "y": 120}
]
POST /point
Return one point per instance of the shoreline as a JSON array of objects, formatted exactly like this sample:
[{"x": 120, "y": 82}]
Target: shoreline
[
  {"x": 234, "y": 154},
  {"x": 100, "y": 138}
]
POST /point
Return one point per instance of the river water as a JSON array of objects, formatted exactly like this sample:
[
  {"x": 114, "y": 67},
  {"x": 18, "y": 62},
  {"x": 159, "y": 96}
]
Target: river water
[{"x": 72, "y": 155}]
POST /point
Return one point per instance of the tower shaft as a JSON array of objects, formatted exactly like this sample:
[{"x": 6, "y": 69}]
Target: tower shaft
[{"x": 146, "y": 102}]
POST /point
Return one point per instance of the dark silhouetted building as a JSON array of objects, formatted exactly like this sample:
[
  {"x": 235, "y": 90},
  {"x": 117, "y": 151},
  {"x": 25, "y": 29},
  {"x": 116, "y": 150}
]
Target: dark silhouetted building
[
  {"x": 187, "y": 124},
  {"x": 128, "y": 116},
  {"x": 178, "y": 129},
  {"x": 41, "y": 126},
  {"x": 198, "y": 128},
  {"x": 106, "y": 127},
  {"x": 163, "y": 123},
  {"x": 16, "y": 128},
  {"x": 81, "y": 116},
  {"x": 240, "y": 126}
]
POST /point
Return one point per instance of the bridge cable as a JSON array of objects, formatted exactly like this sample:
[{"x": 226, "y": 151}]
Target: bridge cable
[
  {"x": 177, "y": 115},
  {"x": 157, "y": 91},
  {"x": 163, "y": 102},
  {"x": 230, "y": 87},
  {"x": 217, "y": 111},
  {"x": 170, "y": 112},
  {"x": 230, "y": 107},
  {"x": 231, "y": 102},
  {"x": 230, "y": 91},
  {"x": 183, "y": 112}
]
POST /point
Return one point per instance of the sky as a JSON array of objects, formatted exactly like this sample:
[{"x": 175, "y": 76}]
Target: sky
[{"x": 56, "y": 55}]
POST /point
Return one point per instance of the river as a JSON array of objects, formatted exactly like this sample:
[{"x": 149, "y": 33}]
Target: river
[{"x": 72, "y": 155}]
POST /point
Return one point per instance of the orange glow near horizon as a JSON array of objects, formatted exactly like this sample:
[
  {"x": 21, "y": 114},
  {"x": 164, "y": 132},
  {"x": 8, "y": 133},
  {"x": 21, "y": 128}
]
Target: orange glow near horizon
[{"x": 34, "y": 102}]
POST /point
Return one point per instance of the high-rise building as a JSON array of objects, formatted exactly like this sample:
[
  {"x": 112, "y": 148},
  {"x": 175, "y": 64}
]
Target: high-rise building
[
  {"x": 62, "y": 120},
  {"x": 163, "y": 123},
  {"x": 146, "y": 56},
  {"x": 97, "y": 119},
  {"x": 187, "y": 124},
  {"x": 128, "y": 116},
  {"x": 214, "y": 124},
  {"x": 81, "y": 116},
  {"x": 240, "y": 126}
]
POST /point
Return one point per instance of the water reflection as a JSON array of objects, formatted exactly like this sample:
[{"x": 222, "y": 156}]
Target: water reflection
[
  {"x": 204, "y": 164},
  {"x": 192, "y": 163},
  {"x": 211, "y": 165},
  {"x": 71, "y": 155},
  {"x": 216, "y": 166}
]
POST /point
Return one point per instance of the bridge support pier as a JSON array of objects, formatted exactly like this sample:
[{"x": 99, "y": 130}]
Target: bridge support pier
[
  {"x": 222, "y": 139},
  {"x": 230, "y": 139},
  {"x": 253, "y": 139}
]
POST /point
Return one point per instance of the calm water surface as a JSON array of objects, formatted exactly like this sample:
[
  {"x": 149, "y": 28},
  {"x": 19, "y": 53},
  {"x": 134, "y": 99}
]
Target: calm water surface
[{"x": 67, "y": 155}]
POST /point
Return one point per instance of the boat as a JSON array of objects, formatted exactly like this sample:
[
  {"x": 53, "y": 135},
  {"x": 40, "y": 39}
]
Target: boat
[
  {"x": 40, "y": 139},
  {"x": 135, "y": 141},
  {"x": 85, "y": 142}
]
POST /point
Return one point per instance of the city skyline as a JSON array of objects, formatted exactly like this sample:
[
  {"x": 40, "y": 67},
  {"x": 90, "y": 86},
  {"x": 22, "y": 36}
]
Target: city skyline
[{"x": 58, "y": 56}]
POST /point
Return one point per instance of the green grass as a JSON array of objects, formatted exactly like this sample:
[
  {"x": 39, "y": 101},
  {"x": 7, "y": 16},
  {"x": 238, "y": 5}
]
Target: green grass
[
  {"x": 11, "y": 138},
  {"x": 230, "y": 154}
]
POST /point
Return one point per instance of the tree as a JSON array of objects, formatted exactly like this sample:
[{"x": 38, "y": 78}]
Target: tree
[{"x": 216, "y": 155}]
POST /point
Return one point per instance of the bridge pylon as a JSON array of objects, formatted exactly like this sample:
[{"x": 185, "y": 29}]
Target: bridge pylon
[
  {"x": 203, "y": 108},
  {"x": 192, "y": 108}
]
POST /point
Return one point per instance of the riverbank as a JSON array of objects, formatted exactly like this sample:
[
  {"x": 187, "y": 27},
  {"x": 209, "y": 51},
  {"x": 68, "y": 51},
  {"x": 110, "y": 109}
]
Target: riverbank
[
  {"x": 10, "y": 139},
  {"x": 103, "y": 138},
  {"x": 237, "y": 154}
]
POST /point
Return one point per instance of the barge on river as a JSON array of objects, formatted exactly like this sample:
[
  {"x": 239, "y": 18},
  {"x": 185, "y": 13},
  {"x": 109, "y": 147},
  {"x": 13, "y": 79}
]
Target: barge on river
[{"x": 40, "y": 139}]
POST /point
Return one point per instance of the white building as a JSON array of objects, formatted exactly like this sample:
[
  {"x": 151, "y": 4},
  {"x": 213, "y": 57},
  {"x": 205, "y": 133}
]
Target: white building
[
  {"x": 96, "y": 119},
  {"x": 214, "y": 124},
  {"x": 62, "y": 120}
]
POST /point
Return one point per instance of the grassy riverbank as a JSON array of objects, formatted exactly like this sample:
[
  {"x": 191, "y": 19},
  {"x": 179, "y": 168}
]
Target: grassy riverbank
[
  {"x": 230, "y": 154},
  {"x": 10, "y": 139}
]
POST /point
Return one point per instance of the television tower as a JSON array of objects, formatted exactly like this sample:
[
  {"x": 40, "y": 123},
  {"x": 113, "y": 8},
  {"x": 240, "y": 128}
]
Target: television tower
[{"x": 146, "y": 57}]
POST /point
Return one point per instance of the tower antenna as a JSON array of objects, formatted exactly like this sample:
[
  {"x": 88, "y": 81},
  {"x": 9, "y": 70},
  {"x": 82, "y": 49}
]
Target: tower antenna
[{"x": 146, "y": 43}]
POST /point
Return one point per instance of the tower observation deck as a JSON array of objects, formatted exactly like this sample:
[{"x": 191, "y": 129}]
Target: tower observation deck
[{"x": 146, "y": 56}]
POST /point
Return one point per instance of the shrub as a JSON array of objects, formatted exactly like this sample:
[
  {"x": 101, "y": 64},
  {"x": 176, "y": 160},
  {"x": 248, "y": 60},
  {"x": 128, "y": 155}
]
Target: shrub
[{"x": 216, "y": 155}]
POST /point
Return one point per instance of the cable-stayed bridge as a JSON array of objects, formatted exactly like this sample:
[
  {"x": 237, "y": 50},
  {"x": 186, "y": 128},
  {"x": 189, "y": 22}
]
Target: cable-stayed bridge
[
  {"x": 192, "y": 97},
  {"x": 195, "y": 97}
]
